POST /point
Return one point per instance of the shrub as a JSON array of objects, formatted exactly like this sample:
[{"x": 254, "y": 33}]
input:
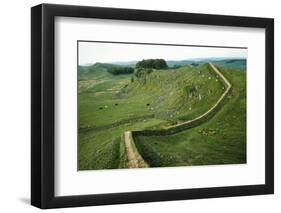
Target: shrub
[{"x": 119, "y": 70}]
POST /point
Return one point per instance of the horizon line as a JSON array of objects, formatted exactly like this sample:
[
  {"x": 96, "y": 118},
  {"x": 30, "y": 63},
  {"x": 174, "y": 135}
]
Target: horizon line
[{"x": 184, "y": 59}]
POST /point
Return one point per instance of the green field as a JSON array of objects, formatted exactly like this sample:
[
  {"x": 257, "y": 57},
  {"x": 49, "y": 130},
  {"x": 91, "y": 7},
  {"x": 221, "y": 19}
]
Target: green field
[{"x": 109, "y": 105}]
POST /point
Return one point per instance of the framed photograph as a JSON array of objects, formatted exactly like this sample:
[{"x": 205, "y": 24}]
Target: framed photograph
[{"x": 139, "y": 106}]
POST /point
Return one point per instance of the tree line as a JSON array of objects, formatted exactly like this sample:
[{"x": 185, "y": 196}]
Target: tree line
[
  {"x": 152, "y": 64},
  {"x": 119, "y": 70}
]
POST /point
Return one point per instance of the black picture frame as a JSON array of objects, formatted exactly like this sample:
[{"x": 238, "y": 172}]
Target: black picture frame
[{"x": 43, "y": 102}]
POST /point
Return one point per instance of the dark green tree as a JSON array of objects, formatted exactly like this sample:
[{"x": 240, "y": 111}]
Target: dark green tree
[{"x": 152, "y": 64}]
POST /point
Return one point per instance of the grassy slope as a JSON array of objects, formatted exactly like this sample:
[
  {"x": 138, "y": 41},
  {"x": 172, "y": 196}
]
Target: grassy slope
[
  {"x": 170, "y": 91},
  {"x": 221, "y": 140},
  {"x": 240, "y": 64},
  {"x": 166, "y": 91}
]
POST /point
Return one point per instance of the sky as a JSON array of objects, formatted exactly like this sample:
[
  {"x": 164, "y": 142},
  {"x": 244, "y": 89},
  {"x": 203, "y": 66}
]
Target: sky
[{"x": 92, "y": 52}]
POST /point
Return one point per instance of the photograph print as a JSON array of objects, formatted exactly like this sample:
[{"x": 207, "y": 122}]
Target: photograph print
[{"x": 146, "y": 105}]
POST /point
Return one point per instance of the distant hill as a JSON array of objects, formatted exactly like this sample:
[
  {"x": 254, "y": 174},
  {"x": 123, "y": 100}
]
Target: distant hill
[
  {"x": 230, "y": 63},
  {"x": 117, "y": 68},
  {"x": 172, "y": 63},
  {"x": 85, "y": 72},
  {"x": 233, "y": 63}
]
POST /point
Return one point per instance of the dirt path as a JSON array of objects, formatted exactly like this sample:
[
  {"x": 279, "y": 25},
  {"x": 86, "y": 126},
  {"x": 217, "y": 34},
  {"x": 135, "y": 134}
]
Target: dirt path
[
  {"x": 134, "y": 158},
  {"x": 220, "y": 74},
  {"x": 228, "y": 87}
]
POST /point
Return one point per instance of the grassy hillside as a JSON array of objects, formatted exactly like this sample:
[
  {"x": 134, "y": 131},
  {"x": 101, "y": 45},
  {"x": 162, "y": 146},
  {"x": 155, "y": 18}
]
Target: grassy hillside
[
  {"x": 111, "y": 104},
  {"x": 221, "y": 140}
]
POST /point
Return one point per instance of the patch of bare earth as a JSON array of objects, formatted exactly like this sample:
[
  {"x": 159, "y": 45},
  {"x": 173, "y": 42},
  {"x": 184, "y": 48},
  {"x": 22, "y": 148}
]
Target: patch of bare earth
[{"x": 134, "y": 158}]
